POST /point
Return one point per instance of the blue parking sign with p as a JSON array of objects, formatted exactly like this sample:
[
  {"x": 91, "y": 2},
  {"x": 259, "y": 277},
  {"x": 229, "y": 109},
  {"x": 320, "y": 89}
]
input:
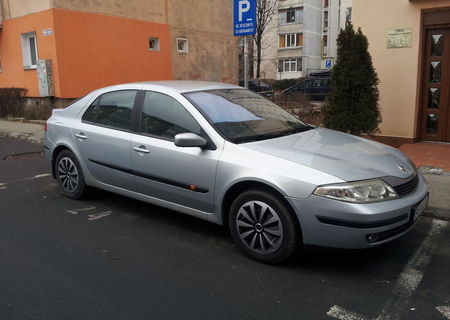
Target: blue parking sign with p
[{"x": 244, "y": 17}]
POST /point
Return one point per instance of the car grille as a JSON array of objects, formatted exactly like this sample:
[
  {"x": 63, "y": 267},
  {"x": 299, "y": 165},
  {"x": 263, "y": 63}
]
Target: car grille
[{"x": 407, "y": 187}]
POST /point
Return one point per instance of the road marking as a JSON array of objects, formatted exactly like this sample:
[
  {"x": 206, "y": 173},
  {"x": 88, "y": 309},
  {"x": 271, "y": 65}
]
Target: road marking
[
  {"x": 412, "y": 274},
  {"x": 445, "y": 310},
  {"x": 77, "y": 211},
  {"x": 38, "y": 176},
  {"x": 407, "y": 282},
  {"x": 342, "y": 314},
  {"x": 100, "y": 215}
]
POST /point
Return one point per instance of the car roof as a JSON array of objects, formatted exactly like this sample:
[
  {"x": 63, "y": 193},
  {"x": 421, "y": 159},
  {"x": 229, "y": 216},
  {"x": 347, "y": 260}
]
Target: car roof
[{"x": 187, "y": 86}]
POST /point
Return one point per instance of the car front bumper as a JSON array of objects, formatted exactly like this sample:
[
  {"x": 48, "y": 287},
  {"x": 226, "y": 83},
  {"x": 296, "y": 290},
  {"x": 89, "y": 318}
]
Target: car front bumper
[{"x": 337, "y": 224}]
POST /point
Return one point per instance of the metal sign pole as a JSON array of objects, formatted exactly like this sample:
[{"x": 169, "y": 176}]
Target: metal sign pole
[
  {"x": 244, "y": 20},
  {"x": 245, "y": 62}
]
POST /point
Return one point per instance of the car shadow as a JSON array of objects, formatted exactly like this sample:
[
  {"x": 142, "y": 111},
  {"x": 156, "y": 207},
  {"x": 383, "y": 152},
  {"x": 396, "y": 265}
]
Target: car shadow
[{"x": 323, "y": 260}]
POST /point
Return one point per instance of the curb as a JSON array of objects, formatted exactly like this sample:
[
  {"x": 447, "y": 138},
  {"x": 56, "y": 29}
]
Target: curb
[{"x": 437, "y": 213}]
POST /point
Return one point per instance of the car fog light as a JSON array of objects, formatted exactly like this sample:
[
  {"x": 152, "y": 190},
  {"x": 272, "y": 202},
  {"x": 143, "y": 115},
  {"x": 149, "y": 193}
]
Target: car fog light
[{"x": 372, "y": 237}]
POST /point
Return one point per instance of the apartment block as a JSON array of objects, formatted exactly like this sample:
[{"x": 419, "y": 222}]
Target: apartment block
[
  {"x": 81, "y": 45},
  {"x": 302, "y": 37}
]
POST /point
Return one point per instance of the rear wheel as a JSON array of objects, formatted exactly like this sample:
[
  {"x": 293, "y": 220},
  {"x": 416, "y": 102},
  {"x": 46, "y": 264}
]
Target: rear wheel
[
  {"x": 263, "y": 227},
  {"x": 69, "y": 175}
]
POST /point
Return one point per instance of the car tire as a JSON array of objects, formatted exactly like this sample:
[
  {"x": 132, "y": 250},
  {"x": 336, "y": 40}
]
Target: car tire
[
  {"x": 69, "y": 174},
  {"x": 263, "y": 226}
]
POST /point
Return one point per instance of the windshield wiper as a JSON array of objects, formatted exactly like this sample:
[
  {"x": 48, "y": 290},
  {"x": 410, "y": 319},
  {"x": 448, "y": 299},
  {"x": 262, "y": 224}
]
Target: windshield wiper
[{"x": 271, "y": 135}]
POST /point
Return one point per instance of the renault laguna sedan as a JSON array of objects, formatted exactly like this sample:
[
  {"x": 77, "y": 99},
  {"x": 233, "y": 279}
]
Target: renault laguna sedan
[{"x": 227, "y": 155}]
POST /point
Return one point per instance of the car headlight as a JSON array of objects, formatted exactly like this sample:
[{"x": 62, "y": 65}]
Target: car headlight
[{"x": 358, "y": 192}]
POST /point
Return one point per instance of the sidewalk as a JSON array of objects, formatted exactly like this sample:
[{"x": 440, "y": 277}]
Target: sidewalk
[
  {"x": 33, "y": 132},
  {"x": 432, "y": 158}
]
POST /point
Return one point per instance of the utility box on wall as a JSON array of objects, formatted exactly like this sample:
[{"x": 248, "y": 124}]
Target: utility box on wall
[{"x": 45, "y": 78}]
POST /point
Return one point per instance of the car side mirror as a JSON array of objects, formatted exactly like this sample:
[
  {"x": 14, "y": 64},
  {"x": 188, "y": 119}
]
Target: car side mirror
[{"x": 189, "y": 140}]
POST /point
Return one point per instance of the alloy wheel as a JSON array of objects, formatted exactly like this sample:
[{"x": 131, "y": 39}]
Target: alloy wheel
[
  {"x": 68, "y": 174},
  {"x": 259, "y": 227}
]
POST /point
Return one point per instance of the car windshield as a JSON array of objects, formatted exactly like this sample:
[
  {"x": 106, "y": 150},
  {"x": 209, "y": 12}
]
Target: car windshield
[{"x": 243, "y": 116}]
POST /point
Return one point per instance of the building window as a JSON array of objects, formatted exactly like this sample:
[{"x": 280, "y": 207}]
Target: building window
[
  {"x": 290, "y": 65},
  {"x": 291, "y": 15},
  {"x": 324, "y": 46},
  {"x": 325, "y": 21},
  {"x": 182, "y": 45},
  {"x": 29, "y": 50},
  {"x": 325, "y": 4},
  {"x": 153, "y": 44},
  {"x": 290, "y": 40},
  {"x": 348, "y": 15}
]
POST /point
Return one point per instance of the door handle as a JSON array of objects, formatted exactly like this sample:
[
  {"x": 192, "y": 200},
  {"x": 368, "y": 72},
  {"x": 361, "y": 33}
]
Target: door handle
[
  {"x": 141, "y": 149},
  {"x": 81, "y": 135}
]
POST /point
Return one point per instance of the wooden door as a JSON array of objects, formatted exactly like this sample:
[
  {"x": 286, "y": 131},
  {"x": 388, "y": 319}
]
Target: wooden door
[{"x": 435, "y": 102}]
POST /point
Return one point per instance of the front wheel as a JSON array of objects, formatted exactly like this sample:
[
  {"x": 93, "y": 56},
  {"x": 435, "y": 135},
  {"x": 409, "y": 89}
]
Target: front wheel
[
  {"x": 263, "y": 227},
  {"x": 69, "y": 175}
]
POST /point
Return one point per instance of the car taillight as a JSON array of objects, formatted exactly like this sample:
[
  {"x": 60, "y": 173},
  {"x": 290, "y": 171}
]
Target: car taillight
[{"x": 45, "y": 126}]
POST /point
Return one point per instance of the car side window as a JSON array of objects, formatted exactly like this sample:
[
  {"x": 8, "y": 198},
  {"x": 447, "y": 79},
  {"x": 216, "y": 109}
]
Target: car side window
[
  {"x": 303, "y": 85},
  {"x": 164, "y": 117},
  {"x": 112, "y": 109},
  {"x": 317, "y": 83}
]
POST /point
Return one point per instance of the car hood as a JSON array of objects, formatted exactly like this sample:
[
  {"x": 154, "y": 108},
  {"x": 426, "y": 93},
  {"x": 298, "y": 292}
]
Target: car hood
[{"x": 345, "y": 156}]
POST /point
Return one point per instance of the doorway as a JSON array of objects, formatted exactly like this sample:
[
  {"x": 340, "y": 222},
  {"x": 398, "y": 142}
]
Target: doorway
[{"x": 435, "y": 101}]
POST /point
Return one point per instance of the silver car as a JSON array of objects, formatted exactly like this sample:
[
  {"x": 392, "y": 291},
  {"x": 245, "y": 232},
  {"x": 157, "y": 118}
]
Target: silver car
[{"x": 224, "y": 154}]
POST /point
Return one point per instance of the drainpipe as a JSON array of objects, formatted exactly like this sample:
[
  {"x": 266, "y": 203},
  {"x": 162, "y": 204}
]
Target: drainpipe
[{"x": 2, "y": 16}]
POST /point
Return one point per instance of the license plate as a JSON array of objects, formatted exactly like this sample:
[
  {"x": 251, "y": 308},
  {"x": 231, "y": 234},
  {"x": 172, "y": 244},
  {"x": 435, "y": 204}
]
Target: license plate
[{"x": 420, "y": 208}]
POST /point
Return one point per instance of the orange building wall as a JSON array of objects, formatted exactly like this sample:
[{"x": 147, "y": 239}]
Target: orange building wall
[
  {"x": 88, "y": 51},
  {"x": 13, "y": 74},
  {"x": 95, "y": 50}
]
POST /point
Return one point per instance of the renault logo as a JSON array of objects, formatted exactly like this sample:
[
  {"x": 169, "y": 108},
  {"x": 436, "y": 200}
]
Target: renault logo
[{"x": 402, "y": 168}]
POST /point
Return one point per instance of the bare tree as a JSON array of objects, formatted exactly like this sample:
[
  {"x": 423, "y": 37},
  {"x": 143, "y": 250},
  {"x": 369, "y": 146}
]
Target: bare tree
[{"x": 265, "y": 11}]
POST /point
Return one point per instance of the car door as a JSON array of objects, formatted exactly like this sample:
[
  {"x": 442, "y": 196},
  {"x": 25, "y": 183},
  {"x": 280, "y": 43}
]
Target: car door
[
  {"x": 184, "y": 176},
  {"x": 103, "y": 138}
]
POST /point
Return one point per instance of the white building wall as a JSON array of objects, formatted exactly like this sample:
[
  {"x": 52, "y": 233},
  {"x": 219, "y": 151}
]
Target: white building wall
[
  {"x": 313, "y": 33},
  {"x": 337, "y": 16}
]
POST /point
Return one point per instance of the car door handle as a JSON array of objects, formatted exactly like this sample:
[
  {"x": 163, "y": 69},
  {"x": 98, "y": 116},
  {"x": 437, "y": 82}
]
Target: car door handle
[
  {"x": 81, "y": 135},
  {"x": 141, "y": 149}
]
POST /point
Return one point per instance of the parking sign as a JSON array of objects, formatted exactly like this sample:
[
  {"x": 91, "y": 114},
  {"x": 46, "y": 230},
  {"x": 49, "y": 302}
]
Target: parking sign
[{"x": 244, "y": 17}]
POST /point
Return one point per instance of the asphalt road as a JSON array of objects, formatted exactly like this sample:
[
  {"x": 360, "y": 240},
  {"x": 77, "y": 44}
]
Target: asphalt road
[{"x": 109, "y": 257}]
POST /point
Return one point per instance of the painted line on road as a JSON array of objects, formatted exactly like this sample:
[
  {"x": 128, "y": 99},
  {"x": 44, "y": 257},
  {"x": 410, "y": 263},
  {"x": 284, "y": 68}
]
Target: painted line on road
[
  {"x": 445, "y": 310},
  {"x": 407, "y": 282},
  {"x": 38, "y": 176},
  {"x": 100, "y": 215},
  {"x": 77, "y": 211},
  {"x": 343, "y": 314},
  {"x": 412, "y": 274}
]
